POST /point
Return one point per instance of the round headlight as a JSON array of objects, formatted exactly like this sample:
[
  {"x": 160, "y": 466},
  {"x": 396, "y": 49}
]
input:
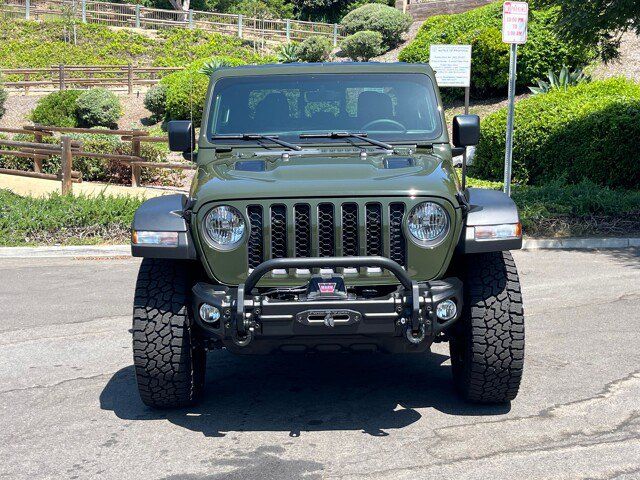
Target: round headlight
[
  {"x": 428, "y": 223},
  {"x": 224, "y": 227}
]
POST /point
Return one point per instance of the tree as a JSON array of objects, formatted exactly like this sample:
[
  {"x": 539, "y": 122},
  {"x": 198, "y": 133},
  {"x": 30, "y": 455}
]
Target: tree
[{"x": 598, "y": 23}]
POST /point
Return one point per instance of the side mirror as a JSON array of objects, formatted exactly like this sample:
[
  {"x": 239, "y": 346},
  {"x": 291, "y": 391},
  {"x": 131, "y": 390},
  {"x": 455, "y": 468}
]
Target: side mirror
[
  {"x": 466, "y": 130},
  {"x": 182, "y": 137}
]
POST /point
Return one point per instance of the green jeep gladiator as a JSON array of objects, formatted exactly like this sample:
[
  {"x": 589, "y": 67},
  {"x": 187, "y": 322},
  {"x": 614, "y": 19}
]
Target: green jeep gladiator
[{"x": 326, "y": 215}]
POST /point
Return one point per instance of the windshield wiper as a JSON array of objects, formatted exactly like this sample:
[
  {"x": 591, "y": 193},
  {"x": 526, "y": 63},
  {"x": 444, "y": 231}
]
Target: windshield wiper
[
  {"x": 359, "y": 136},
  {"x": 257, "y": 136}
]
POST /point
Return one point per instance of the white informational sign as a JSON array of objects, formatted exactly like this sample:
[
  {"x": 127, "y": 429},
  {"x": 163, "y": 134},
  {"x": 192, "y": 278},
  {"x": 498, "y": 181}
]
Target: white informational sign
[
  {"x": 452, "y": 64},
  {"x": 515, "y": 17}
]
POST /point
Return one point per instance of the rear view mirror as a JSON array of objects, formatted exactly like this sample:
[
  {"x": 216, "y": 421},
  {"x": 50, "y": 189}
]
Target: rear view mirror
[
  {"x": 182, "y": 137},
  {"x": 466, "y": 130}
]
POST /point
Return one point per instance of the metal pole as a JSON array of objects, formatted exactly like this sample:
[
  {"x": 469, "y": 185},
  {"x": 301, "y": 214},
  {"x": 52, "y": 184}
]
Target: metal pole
[
  {"x": 508, "y": 157},
  {"x": 84, "y": 11},
  {"x": 27, "y": 7},
  {"x": 288, "y": 30},
  {"x": 335, "y": 34},
  {"x": 137, "y": 16},
  {"x": 467, "y": 96},
  {"x": 239, "y": 26},
  {"x": 190, "y": 18},
  {"x": 66, "y": 160}
]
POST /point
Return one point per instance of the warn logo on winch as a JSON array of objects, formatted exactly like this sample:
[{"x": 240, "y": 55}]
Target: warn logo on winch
[{"x": 327, "y": 287}]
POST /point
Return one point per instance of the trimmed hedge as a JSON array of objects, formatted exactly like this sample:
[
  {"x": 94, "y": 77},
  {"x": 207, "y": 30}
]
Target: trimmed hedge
[
  {"x": 314, "y": 49},
  {"x": 98, "y": 107},
  {"x": 362, "y": 46},
  {"x": 389, "y": 21},
  {"x": 481, "y": 28},
  {"x": 588, "y": 132},
  {"x": 57, "y": 109}
]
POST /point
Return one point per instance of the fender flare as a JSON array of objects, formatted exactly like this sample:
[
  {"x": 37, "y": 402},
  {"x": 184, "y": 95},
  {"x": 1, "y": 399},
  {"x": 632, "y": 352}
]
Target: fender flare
[
  {"x": 164, "y": 214},
  {"x": 488, "y": 207}
]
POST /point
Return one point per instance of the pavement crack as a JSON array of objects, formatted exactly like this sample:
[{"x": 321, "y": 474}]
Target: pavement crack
[{"x": 54, "y": 385}]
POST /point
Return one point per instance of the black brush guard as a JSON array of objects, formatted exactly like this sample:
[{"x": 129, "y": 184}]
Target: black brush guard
[{"x": 411, "y": 287}]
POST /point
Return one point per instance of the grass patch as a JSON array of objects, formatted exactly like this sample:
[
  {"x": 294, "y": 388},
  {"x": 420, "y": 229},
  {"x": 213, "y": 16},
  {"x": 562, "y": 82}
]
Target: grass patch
[
  {"x": 66, "y": 220},
  {"x": 552, "y": 210}
]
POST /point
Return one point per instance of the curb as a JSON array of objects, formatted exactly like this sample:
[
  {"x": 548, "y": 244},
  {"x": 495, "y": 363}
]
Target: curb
[
  {"x": 579, "y": 243},
  {"x": 89, "y": 251},
  {"x": 66, "y": 251}
]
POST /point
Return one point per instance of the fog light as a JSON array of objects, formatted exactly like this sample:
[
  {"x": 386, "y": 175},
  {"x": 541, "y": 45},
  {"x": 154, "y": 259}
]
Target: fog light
[
  {"x": 446, "y": 310},
  {"x": 209, "y": 313}
]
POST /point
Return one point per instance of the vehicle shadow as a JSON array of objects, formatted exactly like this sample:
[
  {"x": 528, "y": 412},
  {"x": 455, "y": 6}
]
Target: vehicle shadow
[{"x": 373, "y": 393}]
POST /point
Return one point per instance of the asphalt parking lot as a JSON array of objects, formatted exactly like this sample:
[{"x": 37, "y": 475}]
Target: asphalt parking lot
[{"x": 69, "y": 406}]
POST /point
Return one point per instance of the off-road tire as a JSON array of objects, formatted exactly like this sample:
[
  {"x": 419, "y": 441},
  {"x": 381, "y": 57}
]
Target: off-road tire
[
  {"x": 487, "y": 346},
  {"x": 168, "y": 359}
]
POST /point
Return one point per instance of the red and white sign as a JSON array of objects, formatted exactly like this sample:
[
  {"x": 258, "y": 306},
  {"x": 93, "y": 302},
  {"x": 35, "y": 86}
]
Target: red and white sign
[{"x": 515, "y": 17}]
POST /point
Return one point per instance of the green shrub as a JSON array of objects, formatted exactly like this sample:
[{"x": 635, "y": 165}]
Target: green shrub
[
  {"x": 98, "y": 107},
  {"x": 362, "y": 46},
  {"x": 3, "y": 99},
  {"x": 481, "y": 28},
  {"x": 314, "y": 49},
  {"x": 155, "y": 100},
  {"x": 186, "y": 91},
  {"x": 58, "y": 109},
  {"x": 589, "y": 131},
  {"x": 389, "y": 21}
]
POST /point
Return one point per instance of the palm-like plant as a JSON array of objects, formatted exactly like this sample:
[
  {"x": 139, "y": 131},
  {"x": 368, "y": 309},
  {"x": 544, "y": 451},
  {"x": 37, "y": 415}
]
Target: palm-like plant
[
  {"x": 216, "y": 63},
  {"x": 562, "y": 81},
  {"x": 288, "y": 53}
]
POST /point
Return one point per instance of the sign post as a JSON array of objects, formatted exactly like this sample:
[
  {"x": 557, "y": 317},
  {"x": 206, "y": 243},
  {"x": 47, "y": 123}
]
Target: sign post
[
  {"x": 515, "y": 17},
  {"x": 452, "y": 66}
]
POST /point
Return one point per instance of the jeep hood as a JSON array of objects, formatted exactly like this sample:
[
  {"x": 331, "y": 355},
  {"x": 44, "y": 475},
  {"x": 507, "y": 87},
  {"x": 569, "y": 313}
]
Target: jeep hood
[{"x": 315, "y": 176}]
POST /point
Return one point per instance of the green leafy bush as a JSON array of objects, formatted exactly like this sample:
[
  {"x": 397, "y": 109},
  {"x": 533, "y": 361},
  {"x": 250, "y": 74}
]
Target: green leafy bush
[
  {"x": 587, "y": 132},
  {"x": 57, "y": 109},
  {"x": 481, "y": 28},
  {"x": 389, "y": 21},
  {"x": 3, "y": 99},
  {"x": 314, "y": 49},
  {"x": 155, "y": 100},
  {"x": 186, "y": 91},
  {"x": 362, "y": 46},
  {"x": 98, "y": 108}
]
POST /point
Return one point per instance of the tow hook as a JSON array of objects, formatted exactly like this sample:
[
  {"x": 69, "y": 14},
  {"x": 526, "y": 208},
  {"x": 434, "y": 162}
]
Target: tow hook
[{"x": 416, "y": 338}]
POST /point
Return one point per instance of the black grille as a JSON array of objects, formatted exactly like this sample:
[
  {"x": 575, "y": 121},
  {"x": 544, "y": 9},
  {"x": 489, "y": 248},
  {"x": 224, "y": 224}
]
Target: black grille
[
  {"x": 374, "y": 229},
  {"x": 303, "y": 230},
  {"x": 278, "y": 231},
  {"x": 397, "y": 245},
  {"x": 350, "y": 244},
  {"x": 377, "y": 218},
  {"x": 326, "y": 233},
  {"x": 256, "y": 250}
]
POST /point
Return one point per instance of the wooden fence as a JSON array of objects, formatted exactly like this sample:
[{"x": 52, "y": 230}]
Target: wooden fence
[
  {"x": 39, "y": 150},
  {"x": 62, "y": 77},
  {"x": 136, "y": 16}
]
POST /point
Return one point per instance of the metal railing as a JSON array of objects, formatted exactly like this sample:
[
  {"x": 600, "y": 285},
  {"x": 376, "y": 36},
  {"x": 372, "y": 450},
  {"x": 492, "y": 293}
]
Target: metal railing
[{"x": 136, "y": 16}]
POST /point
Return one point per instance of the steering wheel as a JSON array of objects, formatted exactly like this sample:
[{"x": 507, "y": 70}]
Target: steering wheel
[{"x": 385, "y": 120}]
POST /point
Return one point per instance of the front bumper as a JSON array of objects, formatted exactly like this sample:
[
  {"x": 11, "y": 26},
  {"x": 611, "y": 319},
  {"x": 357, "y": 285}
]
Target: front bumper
[{"x": 253, "y": 322}]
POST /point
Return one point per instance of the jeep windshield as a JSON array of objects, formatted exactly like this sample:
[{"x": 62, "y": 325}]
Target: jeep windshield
[{"x": 395, "y": 108}]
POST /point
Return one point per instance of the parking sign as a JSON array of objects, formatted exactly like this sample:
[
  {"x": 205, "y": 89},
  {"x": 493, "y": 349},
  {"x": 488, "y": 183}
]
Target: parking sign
[{"x": 515, "y": 17}]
